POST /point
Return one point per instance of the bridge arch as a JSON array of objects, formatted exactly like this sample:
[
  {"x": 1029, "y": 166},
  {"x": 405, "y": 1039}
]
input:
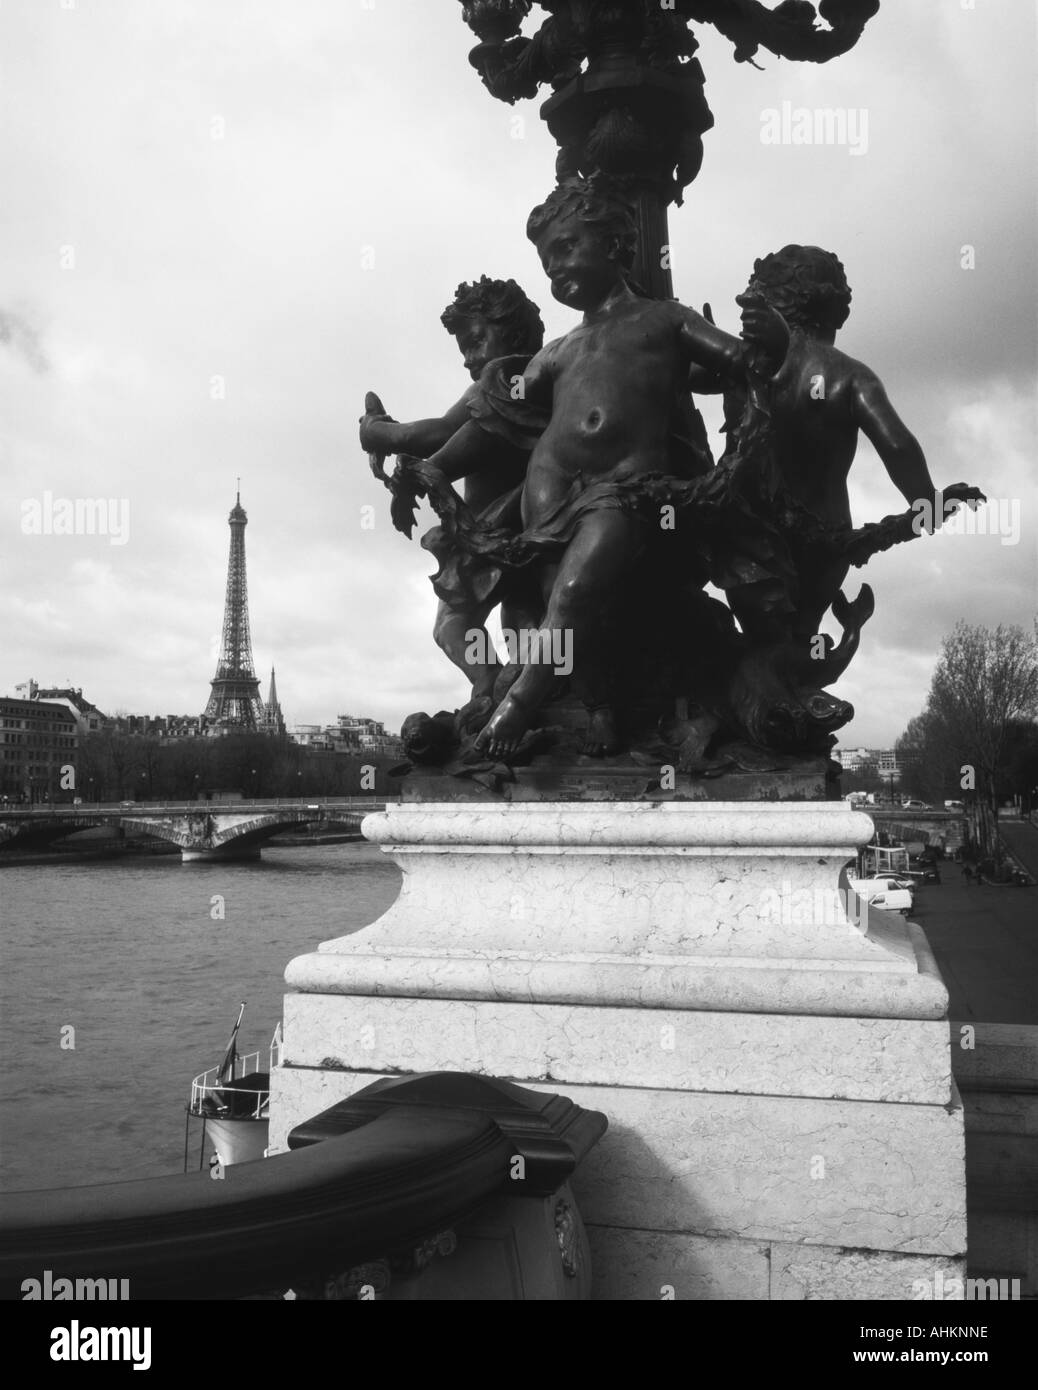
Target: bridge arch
[{"x": 200, "y": 830}]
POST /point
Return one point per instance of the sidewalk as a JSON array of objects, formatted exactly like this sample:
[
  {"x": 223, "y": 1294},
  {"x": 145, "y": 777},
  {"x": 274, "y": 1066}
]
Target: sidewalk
[
  {"x": 986, "y": 943},
  {"x": 1020, "y": 837}
]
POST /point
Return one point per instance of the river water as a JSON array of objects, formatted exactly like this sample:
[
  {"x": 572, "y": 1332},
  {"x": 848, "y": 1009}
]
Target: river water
[{"x": 132, "y": 954}]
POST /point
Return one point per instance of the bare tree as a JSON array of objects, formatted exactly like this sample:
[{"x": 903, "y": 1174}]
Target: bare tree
[
  {"x": 984, "y": 681},
  {"x": 925, "y": 763}
]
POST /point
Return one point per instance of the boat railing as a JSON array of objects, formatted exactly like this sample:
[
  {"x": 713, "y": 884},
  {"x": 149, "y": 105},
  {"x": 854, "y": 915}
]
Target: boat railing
[{"x": 207, "y": 1085}]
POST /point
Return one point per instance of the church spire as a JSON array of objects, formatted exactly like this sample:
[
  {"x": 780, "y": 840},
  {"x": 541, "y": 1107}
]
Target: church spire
[{"x": 273, "y": 719}]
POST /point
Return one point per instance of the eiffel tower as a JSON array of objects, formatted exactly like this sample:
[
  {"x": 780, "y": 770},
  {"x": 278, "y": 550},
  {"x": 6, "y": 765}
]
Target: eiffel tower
[{"x": 235, "y": 702}]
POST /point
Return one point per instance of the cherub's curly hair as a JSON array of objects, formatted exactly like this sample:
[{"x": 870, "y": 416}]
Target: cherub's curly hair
[
  {"x": 502, "y": 303},
  {"x": 599, "y": 201},
  {"x": 808, "y": 286}
]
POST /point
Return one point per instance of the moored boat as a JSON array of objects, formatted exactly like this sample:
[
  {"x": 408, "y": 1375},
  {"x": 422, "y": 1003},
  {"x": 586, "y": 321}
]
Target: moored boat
[{"x": 233, "y": 1102}]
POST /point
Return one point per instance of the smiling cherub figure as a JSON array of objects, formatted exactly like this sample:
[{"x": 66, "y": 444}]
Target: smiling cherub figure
[{"x": 614, "y": 387}]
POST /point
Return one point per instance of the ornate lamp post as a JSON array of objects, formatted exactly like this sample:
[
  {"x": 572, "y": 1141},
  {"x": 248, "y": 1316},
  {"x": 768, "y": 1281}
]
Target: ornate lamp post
[{"x": 628, "y": 93}]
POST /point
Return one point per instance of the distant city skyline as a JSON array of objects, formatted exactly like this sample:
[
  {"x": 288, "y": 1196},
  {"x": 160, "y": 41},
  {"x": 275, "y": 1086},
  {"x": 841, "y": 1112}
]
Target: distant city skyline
[
  {"x": 74, "y": 697},
  {"x": 187, "y": 295}
]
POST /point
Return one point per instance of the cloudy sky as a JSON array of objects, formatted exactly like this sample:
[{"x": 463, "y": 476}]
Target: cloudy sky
[{"x": 224, "y": 220}]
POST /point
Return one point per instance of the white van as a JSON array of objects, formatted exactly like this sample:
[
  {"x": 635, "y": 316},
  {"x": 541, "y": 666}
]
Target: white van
[{"x": 883, "y": 892}]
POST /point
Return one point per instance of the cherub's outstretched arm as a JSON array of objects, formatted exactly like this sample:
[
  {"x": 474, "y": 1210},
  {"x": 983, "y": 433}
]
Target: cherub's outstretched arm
[
  {"x": 896, "y": 445},
  {"x": 706, "y": 381},
  {"x": 381, "y": 435},
  {"x": 469, "y": 449},
  {"x": 762, "y": 347},
  {"x": 901, "y": 453},
  {"x": 473, "y": 446}
]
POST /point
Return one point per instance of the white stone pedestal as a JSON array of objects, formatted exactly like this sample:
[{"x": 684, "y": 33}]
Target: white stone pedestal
[{"x": 783, "y": 1122}]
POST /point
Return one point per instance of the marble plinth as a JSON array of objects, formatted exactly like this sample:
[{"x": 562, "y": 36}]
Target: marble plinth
[
  {"x": 775, "y": 1070},
  {"x": 712, "y": 906}
]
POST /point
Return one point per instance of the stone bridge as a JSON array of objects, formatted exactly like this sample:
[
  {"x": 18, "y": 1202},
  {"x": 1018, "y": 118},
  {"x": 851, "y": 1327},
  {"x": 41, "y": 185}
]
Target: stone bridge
[
  {"x": 946, "y": 829},
  {"x": 201, "y": 830}
]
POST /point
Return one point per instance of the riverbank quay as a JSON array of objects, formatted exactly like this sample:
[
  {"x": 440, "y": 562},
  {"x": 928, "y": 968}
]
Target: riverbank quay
[{"x": 102, "y": 848}]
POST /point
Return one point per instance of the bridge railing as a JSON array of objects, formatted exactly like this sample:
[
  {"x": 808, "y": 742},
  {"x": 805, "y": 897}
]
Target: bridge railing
[
  {"x": 373, "y": 1179},
  {"x": 51, "y": 808}
]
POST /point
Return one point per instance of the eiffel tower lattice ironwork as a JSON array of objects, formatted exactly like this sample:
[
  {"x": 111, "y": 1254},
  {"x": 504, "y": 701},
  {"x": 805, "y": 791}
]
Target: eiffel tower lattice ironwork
[{"x": 235, "y": 698}]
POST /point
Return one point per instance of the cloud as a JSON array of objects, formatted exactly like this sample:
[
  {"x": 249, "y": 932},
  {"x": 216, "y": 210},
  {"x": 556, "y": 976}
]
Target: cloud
[
  {"x": 236, "y": 251},
  {"x": 23, "y": 339}
]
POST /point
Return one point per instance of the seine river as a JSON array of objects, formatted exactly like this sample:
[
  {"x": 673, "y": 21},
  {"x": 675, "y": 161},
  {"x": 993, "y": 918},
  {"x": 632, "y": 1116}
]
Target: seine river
[{"x": 131, "y": 954}]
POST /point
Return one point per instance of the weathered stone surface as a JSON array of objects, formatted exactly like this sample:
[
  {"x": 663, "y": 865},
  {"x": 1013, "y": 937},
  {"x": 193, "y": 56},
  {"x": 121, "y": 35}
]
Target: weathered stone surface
[
  {"x": 297, "y": 1094},
  {"x": 888, "y": 1177},
  {"x": 800, "y": 1272},
  {"x": 776, "y": 1054},
  {"x": 667, "y": 983},
  {"x": 654, "y": 1266},
  {"x": 715, "y": 906}
]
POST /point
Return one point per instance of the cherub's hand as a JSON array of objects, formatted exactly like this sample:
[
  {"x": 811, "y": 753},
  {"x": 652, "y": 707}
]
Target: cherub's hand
[
  {"x": 933, "y": 511},
  {"x": 958, "y": 494},
  {"x": 368, "y": 441},
  {"x": 763, "y": 326},
  {"x": 373, "y": 439}
]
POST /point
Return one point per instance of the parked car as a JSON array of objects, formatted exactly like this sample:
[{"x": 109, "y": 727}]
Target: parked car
[
  {"x": 885, "y": 892},
  {"x": 955, "y": 806},
  {"x": 925, "y": 871},
  {"x": 910, "y": 804},
  {"x": 901, "y": 879}
]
